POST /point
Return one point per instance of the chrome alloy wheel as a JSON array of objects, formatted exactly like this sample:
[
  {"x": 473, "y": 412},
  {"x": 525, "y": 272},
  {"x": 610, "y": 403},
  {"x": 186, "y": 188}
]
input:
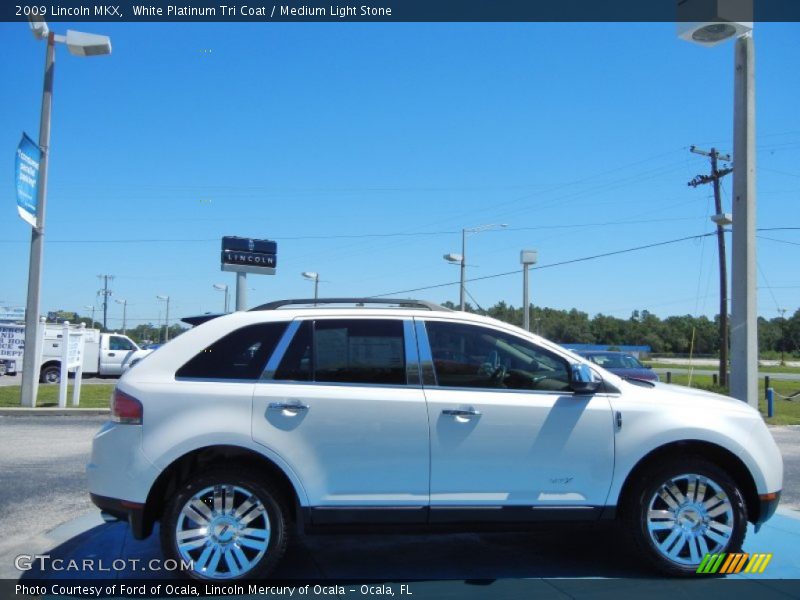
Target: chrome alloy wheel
[
  {"x": 224, "y": 530},
  {"x": 688, "y": 517}
]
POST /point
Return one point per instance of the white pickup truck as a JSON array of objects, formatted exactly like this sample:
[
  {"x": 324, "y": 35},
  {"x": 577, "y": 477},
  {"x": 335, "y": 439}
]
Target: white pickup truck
[{"x": 103, "y": 354}]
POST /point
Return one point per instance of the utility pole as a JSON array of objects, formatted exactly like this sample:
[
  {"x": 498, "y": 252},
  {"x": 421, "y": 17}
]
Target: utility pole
[
  {"x": 721, "y": 220},
  {"x": 105, "y": 292}
]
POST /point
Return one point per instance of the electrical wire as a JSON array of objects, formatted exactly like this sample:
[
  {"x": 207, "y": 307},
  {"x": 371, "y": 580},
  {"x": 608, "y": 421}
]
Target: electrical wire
[{"x": 550, "y": 266}]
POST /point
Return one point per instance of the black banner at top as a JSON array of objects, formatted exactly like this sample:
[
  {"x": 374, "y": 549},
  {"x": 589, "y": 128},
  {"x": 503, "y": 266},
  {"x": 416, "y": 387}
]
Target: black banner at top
[{"x": 404, "y": 10}]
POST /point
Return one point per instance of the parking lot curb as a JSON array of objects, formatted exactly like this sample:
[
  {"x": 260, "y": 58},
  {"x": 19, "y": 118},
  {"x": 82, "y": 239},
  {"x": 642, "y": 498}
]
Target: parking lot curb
[{"x": 19, "y": 411}]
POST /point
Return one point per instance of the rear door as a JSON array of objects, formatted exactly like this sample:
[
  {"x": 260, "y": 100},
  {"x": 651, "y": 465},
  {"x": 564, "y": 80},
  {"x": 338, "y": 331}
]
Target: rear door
[{"x": 342, "y": 404}]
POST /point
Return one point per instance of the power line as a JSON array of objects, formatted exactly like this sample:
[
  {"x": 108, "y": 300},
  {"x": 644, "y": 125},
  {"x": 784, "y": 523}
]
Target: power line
[
  {"x": 359, "y": 235},
  {"x": 550, "y": 266}
]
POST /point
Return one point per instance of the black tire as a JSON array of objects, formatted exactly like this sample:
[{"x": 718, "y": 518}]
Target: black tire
[
  {"x": 224, "y": 530},
  {"x": 50, "y": 374},
  {"x": 700, "y": 524}
]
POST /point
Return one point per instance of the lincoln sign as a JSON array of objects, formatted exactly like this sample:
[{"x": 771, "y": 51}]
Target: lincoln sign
[{"x": 246, "y": 255}]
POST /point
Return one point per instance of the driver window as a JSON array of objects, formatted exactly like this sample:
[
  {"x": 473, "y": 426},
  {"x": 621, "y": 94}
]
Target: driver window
[
  {"x": 119, "y": 343},
  {"x": 478, "y": 357}
]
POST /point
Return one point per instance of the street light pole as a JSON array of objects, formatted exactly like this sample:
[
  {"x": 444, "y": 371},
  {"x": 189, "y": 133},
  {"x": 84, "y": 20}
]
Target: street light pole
[
  {"x": 32, "y": 350},
  {"x": 166, "y": 318},
  {"x": 461, "y": 259},
  {"x": 223, "y": 287},
  {"x": 80, "y": 44},
  {"x": 91, "y": 308},
  {"x": 744, "y": 318},
  {"x": 313, "y": 276},
  {"x": 124, "y": 313}
]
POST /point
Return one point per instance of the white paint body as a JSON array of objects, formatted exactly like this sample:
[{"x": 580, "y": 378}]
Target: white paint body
[{"x": 373, "y": 445}]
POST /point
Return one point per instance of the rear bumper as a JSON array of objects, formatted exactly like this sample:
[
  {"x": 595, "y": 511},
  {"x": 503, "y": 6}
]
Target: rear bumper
[{"x": 132, "y": 512}]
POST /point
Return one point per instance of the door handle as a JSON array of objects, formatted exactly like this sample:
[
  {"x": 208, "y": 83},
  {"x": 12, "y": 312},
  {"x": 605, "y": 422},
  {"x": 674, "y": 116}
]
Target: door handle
[
  {"x": 288, "y": 406},
  {"x": 461, "y": 413},
  {"x": 111, "y": 354}
]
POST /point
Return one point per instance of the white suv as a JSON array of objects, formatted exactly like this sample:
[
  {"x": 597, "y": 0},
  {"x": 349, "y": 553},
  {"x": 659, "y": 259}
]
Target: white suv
[{"x": 296, "y": 416}]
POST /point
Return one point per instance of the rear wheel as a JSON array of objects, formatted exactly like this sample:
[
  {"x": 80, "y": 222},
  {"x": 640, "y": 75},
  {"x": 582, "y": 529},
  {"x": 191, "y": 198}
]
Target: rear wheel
[
  {"x": 229, "y": 524},
  {"x": 679, "y": 512},
  {"x": 50, "y": 374}
]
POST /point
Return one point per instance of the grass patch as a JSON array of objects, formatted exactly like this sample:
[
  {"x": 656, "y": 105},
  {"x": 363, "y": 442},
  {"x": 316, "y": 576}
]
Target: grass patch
[
  {"x": 714, "y": 367},
  {"x": 787, "y": 412},
  {"x": 93, "y": 395}
]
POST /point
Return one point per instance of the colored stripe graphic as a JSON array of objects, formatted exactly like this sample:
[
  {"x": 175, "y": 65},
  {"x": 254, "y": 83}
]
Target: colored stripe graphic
[{"x": 733, "y": 563}]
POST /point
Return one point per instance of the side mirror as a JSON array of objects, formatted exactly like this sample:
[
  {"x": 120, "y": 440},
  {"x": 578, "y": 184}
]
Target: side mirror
[{"x": 583, "y": 380}]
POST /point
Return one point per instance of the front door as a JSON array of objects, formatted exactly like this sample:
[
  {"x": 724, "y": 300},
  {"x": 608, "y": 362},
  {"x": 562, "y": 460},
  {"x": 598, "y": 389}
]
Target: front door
[
  {"x": 509, "y": 439},
  {"x": 111, "y": 359},
  {"x": 337, "y": 405}
]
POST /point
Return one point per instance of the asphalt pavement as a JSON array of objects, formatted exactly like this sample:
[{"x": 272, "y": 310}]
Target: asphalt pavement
[{"x": 45, "y": 508}]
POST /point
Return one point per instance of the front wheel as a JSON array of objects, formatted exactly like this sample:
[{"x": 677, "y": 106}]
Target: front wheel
[
  {"x": 683, "y": 510},
  {"x": 227, "y": 524}
]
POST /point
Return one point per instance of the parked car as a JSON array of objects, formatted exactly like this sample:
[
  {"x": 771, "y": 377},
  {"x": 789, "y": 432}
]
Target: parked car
[
  {"x": 621, "y": 363},
  {"x": 340, "y": 416}
]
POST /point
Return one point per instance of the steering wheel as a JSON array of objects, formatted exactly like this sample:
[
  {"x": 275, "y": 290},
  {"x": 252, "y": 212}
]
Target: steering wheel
[{"x": 498, "y": 375}]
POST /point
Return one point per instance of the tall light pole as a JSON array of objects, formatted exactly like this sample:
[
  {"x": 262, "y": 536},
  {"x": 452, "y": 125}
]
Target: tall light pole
[
  {"x": 744, "y": 316},
  {"x": 527, "y": 258},
  {"x": 166, "y": 318},
  {"x": 223, "y": 287},
  {"x": 461, "y": 259},
  {"x": 124, "y": 312},
  {"x": 313, "y": 276},
  {"x": 79, "y": 44}
]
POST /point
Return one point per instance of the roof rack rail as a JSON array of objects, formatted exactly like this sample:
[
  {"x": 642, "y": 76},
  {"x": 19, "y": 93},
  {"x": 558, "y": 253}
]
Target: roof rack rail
[{"x": 403, "y": 303}]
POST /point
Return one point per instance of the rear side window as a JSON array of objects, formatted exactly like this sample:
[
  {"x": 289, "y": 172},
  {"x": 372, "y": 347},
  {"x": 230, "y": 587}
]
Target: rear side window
[
  {"x": 241, "y": 354},
  {"x": 367, "y": 351}
]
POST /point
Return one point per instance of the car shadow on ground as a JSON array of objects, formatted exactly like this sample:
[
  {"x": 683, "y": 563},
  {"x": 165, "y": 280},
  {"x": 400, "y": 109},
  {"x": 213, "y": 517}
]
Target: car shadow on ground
[{"x": 563, "y": 551}]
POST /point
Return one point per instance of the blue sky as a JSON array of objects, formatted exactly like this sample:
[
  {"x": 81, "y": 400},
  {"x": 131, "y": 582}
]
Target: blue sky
[{"x": 575, "y": 135}]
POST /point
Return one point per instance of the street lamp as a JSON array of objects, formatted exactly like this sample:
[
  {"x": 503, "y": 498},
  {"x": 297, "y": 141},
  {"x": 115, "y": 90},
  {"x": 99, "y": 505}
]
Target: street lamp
[
  {"x": 124, "y": 312},
  {"x": 166, "y": 318},
  {"x": 91, "y": 308},
  {"x": 313, "y": 276},
  {"x": 744, "y": 317},
  {"x": 461, "y": 259},
  {"x": 223, "y": 287},
  {"x": 79, "y": 44},
  {"x": 526, "y": 258}
]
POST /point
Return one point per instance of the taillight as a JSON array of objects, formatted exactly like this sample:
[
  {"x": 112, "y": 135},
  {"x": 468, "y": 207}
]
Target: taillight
[{"x": 125, "y": 408}]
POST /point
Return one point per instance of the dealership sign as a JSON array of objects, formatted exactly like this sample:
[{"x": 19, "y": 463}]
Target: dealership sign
[
  {"x": 26, "y": 175},
  {"x": 247, "y": 255}
]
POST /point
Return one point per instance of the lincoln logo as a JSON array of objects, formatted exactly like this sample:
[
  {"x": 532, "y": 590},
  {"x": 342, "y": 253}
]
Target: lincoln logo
[{"x": 251, "y": 245}]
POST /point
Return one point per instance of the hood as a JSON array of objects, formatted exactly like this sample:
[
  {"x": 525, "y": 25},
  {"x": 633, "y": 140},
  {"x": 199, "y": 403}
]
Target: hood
[
  {"x": 688, "y": 397},
  {"x": 646, "y": 374}
]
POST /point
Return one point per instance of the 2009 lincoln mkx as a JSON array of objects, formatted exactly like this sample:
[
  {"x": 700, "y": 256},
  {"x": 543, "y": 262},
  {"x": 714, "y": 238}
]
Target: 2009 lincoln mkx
[{"x": 364, "y": 414}]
